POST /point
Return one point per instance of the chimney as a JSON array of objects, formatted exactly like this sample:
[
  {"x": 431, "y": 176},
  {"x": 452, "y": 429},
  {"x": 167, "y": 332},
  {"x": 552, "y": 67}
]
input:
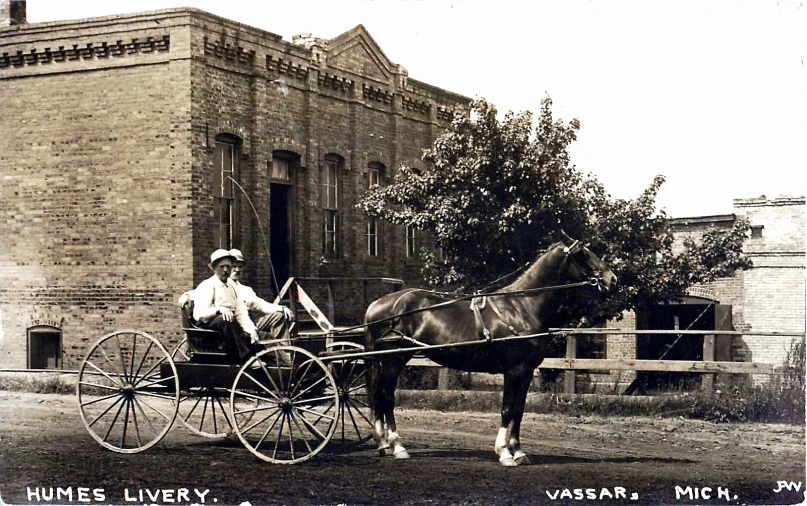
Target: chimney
[{"x": 12, "y": 12}]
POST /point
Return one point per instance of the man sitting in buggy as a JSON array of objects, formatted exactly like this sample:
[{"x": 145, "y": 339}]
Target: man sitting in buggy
[{"x": 220, "y": 304}]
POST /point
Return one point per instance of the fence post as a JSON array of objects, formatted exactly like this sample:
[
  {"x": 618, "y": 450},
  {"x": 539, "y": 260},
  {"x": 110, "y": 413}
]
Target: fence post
[
  {"x": 708, "y": 379},
  {"x": 570, "y": 376}
]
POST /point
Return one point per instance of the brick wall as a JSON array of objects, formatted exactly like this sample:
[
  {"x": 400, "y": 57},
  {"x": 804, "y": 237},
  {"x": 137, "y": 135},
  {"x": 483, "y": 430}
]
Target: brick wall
[
  {"x": 325, "y": 107},
  {"x": 774, "y": 290},
  {"x": 95, "y": 170},
  {"x": 107, "y": 143}
]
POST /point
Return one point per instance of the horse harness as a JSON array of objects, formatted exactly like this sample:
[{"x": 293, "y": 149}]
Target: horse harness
[{"x": 478, "y": 303}]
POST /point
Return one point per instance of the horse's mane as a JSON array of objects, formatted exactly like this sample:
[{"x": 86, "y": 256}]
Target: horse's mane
[{"x": 529, "y": 273}]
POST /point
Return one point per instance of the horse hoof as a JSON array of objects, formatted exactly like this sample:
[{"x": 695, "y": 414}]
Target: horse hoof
[
  {"x": 523, "y": 460},
  {"x": 402, "y": 455},
  {"x": 509, "y": 462},
  {"x": 384, "y": 452}
]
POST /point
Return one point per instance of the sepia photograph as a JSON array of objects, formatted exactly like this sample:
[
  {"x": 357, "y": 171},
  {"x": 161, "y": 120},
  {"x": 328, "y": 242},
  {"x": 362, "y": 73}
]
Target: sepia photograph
[{"x": 404, "y": 252}]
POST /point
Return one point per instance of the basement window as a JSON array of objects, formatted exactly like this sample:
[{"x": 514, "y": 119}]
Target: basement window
[{"x": 44, "y": 347}]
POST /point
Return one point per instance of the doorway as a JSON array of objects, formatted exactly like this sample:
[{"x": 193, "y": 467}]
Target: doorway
[
  {"x": 692, "y": 316},
  {"x": 280, "y": 231}
]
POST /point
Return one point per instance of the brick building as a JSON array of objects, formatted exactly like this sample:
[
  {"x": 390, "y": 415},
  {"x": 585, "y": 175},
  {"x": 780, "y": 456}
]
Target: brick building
[
  {"x": 770, "y": 297},
  {"x": 132, "y": 146}
]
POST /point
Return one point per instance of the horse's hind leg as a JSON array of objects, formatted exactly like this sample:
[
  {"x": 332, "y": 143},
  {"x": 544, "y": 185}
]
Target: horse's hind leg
[
  {"x": 377, "y": 407},
  {"x": 384, "y": 427}
]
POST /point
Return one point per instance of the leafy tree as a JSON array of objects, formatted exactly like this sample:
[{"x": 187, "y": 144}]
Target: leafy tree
[{"x": 495, "y": 193}]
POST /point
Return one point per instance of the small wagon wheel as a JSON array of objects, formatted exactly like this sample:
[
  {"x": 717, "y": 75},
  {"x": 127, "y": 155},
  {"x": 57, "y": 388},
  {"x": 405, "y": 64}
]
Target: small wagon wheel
[
  {"x": 293, "y": 390},
  {"x": 203, "y": 410},
  {"x": 128, "y": 391},
  {"x": 353, "y": 409}
]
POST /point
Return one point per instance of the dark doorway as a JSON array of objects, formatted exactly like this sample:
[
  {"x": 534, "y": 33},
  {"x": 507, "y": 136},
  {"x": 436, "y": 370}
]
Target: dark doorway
[
  {"x": 698, "y": 316},
  {"x": 44, "y": 348},
  {"x": 280, "y": 232}
]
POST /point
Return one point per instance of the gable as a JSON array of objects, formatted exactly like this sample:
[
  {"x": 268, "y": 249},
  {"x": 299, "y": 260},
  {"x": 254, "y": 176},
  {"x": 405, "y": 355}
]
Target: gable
[{"x": 355, "y": 51}]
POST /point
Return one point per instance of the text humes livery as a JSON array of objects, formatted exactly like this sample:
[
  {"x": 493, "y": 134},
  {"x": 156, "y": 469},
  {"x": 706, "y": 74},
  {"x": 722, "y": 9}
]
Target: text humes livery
[{"x": 138, "y": 495}]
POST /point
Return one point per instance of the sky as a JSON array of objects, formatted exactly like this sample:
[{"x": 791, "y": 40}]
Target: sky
[{"x": 710, "y": 94}]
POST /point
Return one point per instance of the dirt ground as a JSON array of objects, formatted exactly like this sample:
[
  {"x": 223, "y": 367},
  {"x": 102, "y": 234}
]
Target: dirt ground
[{"x": 44, "y": 445}]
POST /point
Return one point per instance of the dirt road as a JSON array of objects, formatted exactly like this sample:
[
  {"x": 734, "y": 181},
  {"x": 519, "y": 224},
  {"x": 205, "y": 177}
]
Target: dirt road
[{"x": 45, "y": 450}]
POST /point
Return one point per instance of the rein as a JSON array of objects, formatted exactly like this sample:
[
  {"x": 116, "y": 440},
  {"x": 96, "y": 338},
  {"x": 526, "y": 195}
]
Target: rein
[{"x": 515, "y": 293}]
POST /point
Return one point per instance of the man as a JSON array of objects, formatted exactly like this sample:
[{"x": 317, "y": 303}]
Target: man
[
  {"x": 217, "y": 306},
  {"x": 276, "y": 318}
]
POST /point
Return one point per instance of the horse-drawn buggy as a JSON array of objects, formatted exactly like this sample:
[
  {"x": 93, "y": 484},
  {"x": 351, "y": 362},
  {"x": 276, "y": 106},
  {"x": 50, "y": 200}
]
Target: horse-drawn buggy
[{"x": 289, "y": 401}]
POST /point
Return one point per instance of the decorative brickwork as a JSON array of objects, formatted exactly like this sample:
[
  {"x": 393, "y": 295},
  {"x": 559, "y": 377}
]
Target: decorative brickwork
[
  {"x": 229, "y": 52},
  {"x": 415, "y": 105},
  {"x": 377, "y": 94},
  {"x": 85, "y": 52},
  {"x": 286, "y": 67}
]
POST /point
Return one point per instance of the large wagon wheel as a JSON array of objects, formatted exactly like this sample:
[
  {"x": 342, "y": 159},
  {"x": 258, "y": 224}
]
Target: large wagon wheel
[
  {"x": 353, "y": 409},
  {"x": 203, "y": 410},
  {"x": 128, "y": 391},
  {"x": 290, "y": 422}
]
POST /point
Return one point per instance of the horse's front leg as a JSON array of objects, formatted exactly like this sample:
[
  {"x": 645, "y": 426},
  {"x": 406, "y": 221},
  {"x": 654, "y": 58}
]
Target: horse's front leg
[{"x": 508, "y": 444}]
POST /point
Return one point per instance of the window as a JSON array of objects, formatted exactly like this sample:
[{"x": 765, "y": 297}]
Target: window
[
  {"x": 280, "y": 169},
  {"x": 374, "y": 175},
  {"x": 592, "y": 346},
  {"x": 374, "y": 172},
  {"x": 225, "y": 165},
  {"x": 411, "y": 242},
  {"x": 330, "y": 183},
  {"x": 372, "y": 237},
  {"x": 44, "y": 348}
]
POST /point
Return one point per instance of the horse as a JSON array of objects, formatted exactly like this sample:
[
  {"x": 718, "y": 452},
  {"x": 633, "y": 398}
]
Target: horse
[{"x": 440, "y": 323}]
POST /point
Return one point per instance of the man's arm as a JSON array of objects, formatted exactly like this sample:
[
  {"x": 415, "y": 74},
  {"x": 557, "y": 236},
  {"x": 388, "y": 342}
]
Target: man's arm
[
  {"x": 243, "y": 319},
  {"x": 260, "y": 305}
]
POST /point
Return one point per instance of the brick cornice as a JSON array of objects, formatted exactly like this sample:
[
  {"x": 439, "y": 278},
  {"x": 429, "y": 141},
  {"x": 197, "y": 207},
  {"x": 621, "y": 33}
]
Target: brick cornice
[{"x": 85, "y": 52}]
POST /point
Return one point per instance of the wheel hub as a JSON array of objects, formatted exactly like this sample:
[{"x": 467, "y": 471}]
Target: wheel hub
[{"x": 128, "y": 391}]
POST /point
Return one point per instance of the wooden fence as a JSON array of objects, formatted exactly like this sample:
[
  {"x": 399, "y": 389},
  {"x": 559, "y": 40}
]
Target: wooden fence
[{"x": 708, "y": 366}]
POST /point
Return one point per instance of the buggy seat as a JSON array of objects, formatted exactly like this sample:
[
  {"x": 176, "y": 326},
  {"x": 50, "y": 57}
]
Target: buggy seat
[{"x": 204, "y": 346}]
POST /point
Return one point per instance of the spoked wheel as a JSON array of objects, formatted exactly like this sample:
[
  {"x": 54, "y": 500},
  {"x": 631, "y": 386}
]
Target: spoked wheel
[
  {"x": 353, "y": 409},
  {"x": 203, "y": 410},
  {"x": 128, "y": 391},
  {"x": 294, "y": 392}
]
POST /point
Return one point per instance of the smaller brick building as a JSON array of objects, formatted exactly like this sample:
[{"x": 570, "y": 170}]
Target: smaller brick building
[{"x": 770, "y": 297}]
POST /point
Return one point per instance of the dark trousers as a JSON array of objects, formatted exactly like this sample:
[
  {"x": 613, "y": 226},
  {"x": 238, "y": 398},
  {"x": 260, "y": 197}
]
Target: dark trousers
[{"x": 236, "y": 343}]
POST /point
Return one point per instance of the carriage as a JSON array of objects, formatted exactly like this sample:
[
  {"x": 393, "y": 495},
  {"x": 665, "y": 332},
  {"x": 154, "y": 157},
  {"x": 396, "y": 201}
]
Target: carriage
[
  {"x": 132, "y": 390},
  {"x": 288, "y": 402}
]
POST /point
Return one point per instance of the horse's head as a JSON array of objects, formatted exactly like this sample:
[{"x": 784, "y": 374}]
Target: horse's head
[{"x": 586, "y": 265}]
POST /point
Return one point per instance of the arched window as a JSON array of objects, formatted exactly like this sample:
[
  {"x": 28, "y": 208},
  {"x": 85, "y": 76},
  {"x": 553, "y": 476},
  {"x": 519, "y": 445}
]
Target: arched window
[
  {"x": 225, "y": 172},
  {"x": 44, "y": 347},
  {"x": 330, "y": 191}
]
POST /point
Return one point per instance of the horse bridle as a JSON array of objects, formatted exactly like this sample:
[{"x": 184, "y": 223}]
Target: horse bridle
[{"x": 595, "y": 277}]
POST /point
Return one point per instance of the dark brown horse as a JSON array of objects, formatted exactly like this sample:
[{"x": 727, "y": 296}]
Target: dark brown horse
[{"x": 527, "y": 306}]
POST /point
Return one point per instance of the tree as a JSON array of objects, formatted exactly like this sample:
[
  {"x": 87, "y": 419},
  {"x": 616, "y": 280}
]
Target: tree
[{"x": 494, "y": 194}]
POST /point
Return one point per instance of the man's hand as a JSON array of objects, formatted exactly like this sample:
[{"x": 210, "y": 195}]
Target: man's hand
[
  {"x": 184, "y": 300},
  {"x": 253, "y": 337},
  {"x": 288, "y": 314},
  {"x": 226, "y": 313}
]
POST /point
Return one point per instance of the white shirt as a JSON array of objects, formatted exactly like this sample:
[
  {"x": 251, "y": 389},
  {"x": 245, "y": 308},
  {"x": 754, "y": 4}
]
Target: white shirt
[{"x": 212, "y": 294}]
